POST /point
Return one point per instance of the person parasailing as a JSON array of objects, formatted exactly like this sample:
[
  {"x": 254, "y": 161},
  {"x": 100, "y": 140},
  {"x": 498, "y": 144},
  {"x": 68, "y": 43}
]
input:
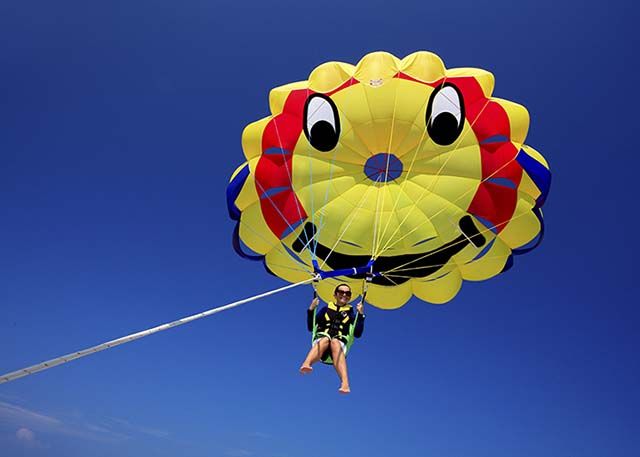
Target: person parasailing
[{"x": 333, "y": 329}]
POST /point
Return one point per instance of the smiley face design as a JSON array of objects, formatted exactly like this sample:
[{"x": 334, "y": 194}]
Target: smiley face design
[{"x": 400, "y": 165}]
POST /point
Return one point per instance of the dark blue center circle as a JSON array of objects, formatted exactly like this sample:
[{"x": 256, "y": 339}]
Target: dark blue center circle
[{"x": 383, "y": 167}]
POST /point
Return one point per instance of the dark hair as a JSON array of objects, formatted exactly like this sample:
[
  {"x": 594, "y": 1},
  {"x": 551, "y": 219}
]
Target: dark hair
[{"x": 335, "y": 291}]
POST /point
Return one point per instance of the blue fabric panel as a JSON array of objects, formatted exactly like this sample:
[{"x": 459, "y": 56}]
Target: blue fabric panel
[
  {"x": 424, "y": 241},
  {"x": 484, "y": 250},
  {"x": 383, "y": 167},
  {"x": 273, "y": 191},
  {"x": 486, "y": 223},
  {"x": 233, "y": 190},
  {"x": 347, "y": 271},
  {"x": 291, "y": 229},
  {"x": 508, "y": 265},
  {"x": 276, "y": 151},
  {"x": 540, "y": 175},
  {"x": 495, "y": 139},
  {"x": 537, "y": 240},
  {"x": 294, "y": 256},
  {"x": 237, "y": 246},
  {"x": 504, "y": 182}
]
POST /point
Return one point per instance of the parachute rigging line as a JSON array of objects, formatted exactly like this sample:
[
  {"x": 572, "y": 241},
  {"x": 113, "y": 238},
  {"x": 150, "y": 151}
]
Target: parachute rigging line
[{"x": 432, "y": 185}]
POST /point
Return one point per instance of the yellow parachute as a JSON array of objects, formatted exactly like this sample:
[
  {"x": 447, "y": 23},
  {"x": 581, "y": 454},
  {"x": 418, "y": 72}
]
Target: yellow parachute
[{"x": 398, "y": 170}]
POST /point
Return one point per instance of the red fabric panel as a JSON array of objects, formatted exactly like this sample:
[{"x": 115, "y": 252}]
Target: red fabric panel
[
  {"x": 282, "y": 132},
  {"x": 273, "y": 171},
  {"x": 488, "y": 119},
  {"x": 495, "y": 203},
  {"x": 344, "y": 85},
  {"x": 470, "y": 89},
  {"x": 501, "y": 162},
  {"x": 294, "y": 105},
  {"x": 282, "y": 209}
]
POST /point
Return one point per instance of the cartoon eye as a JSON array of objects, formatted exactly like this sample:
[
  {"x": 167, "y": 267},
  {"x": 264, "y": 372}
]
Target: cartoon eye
[
  {"x": 321, "y": 122},
  {"x": 445, "y": 115}
]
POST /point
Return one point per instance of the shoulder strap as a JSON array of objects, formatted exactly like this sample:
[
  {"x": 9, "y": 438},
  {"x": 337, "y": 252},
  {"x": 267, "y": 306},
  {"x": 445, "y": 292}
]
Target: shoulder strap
[
  {"x": 314, "y": 332},
  {"x": 352, "y": 328}
]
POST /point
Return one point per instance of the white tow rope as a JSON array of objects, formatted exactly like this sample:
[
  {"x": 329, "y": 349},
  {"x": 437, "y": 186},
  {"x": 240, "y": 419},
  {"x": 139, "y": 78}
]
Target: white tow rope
[{"x": 134, "y": 336}]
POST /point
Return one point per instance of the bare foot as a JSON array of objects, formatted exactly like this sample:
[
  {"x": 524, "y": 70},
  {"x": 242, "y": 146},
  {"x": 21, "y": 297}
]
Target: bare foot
[
  {"x": 306, "y": 369},
  {"x": 344, "y": 389}
]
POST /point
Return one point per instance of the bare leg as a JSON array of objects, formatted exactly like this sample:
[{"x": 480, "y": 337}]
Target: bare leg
[
  {"x": 314, "y": 355},
  {"x": 340, "y": 364}
]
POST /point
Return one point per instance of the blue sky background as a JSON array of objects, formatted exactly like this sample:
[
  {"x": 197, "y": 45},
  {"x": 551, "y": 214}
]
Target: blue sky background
[{"x": 120, "y": 126}]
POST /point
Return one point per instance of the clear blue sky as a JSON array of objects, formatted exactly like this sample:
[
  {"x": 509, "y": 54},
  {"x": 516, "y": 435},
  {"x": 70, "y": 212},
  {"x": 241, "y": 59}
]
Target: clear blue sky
[{"x": 120, "y": 124}]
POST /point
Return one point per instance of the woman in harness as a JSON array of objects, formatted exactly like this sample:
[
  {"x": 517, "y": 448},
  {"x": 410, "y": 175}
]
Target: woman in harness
[{"x": 334, "y": 328}]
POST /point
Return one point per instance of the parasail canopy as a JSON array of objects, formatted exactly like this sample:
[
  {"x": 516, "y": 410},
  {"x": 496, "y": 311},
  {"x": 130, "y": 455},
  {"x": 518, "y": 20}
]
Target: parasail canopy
[{"x": 397, "y": 169}]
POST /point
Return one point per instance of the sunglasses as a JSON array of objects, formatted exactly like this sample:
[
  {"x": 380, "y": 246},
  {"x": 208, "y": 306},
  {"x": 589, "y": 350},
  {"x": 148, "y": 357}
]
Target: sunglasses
[{"x": 343, "y": 292}]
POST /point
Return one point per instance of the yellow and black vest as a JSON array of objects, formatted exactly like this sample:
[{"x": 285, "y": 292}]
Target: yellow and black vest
[{"x": 336, "y": 322}]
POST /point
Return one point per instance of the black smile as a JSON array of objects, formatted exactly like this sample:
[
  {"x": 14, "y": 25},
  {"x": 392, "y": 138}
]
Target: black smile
[{"x": 418, "y": 265}]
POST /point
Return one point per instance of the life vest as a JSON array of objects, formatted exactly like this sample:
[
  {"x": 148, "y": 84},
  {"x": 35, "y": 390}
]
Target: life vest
[{"x": 338, "y": 326}]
